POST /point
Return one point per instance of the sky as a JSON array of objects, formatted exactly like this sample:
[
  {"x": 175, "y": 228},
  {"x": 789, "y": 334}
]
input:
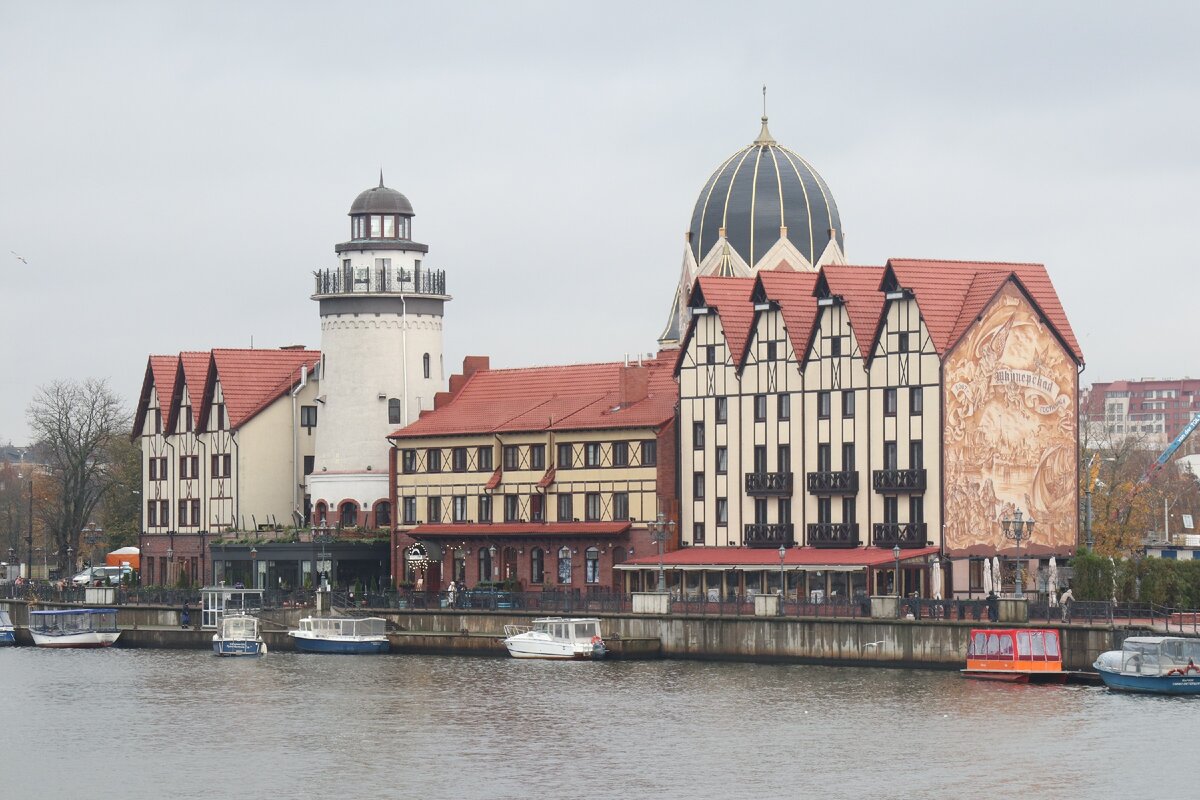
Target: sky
[{"x": 172, "y": 173}]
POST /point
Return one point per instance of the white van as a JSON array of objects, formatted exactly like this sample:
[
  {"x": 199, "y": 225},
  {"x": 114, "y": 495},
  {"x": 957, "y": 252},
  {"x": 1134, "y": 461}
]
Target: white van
[{"x": 109, "y": 575}]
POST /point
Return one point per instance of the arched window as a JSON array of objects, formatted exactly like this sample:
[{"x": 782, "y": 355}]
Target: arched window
[
  {"x": 322, "y": 512},
  {"x": 485, "y": 564},
  {"x": 591, "y": 565},
  {"x": 348, "y": 514},
  {"x": 564, "y": 565},
  {"x": 383, "y": 514},
  {"x": 509, "y": 564},
  {"x": 425, "y": 362},
  {"x": 537, "y": 566},
  {"x": 394, "y": 411}
]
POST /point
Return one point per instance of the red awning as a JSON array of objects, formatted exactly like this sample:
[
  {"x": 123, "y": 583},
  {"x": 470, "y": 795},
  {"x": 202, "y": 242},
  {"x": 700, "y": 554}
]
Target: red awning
[
  {"x": 722, "y": 558},
  {"x": 494, "y": 481},
  {"x": 463, "y": 529},
  {"x": 547, "y": 479}
]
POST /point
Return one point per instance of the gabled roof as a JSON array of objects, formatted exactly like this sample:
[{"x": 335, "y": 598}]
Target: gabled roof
[
  {"x": 730, "y": 298},
  {"x": 573, "y": 397},
  {"x": 793, "y": 293},
  {"x": 195, "y": 373},
  {"x": 253, "y": 379},
  {"x": 859, "y": 289},
  {"x": 160, "y": 376}
]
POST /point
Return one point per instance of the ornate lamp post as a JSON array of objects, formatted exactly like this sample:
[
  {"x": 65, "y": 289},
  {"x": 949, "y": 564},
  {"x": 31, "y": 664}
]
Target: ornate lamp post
[
  {"x": 659, "y": 530},
  {"x": 896, "y": 581},
  {"x": 493, "y": 567},
  {"x": 253, "y": 567},
  {"x": 71, "y": 560},
  {"x": 1018, "y": 529}
]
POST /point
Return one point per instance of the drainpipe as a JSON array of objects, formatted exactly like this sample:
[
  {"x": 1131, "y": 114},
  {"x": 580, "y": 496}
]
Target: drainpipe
[
  {"x": 404, "y": 354},
  {"x": 295, "y": 441}
]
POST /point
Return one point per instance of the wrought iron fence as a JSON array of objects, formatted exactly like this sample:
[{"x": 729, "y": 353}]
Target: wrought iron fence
[{"x": 964, "y": 610}]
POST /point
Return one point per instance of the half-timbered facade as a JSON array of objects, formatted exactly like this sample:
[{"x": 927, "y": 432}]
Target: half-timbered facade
[
  {"x": 818, "y": 415},
  {"x": 542, "y": 477}
]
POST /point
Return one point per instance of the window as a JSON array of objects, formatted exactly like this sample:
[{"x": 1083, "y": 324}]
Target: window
[
  {"x": 916, "y": 455},
  {"x": 698, "y": 485},
  {"x": 158, "y": 420},
  {"x": 512, "y": 457},
  {"x": 916, "y": 508},
  {"x": 408, "y": 460},
  {"x": 425, "y": 364},
  {"x": 458, "y": 459},
  {"x": 620, "y": 505},
  {"x": 784, "y": 455},
  {"x": 760, "y": 408},
  {"x": 591, "y": 506},
  {"x": 183, "y": 513},
  {"x": 537, "y": 566},
  {"x": 722, "y": 460},
  {"x": 433, "y": 509},
  {"x": 566, "y": 507},
  {"x": 221, "y": 420},
  {"x": 512, "y": 508},
  {"x": 823, "y": 405},
  {"x": 383, "y": 514},
  {"x": 348, "y": 514},
  {"x": 433, "y": 460},
  {"x": 164, "y": 513},
  {"x": 537, "y": 456},
  {"x": 186, "y": 417},
  {"x": 760, "y": 458},
  {"x": 591, "y": 565},
  {"x": 310, "y": 463},
  {"x": 824, "y": 458},
  {"x": 152, "y": 514},
  {"x": 848, "y": 456},
  {"x": 889, "y": 455},
  {"x": 564, "y": 565},
  {"x": 835, "y": 346},
  {"x": 848, "y": 404},
  {"x": 710, "y": 354},
  {"x": 772, "y": 351},
  {"x": 158, "y": 468},
  {"x": 889, "y": 402},
  {"x": 848, "y": 510},
  {"x": 902, "y": 343},
  {"x": 722, "y": 511},
  {"x": 697, "y": 435},
  {"x": 409, "y": 508},
  {"x": 535, "y": 508},
  {"x": 485, "y": 508},
  {"x": 916, "y": 400},
  {"x": 564, "y": 456},
  {"x": 784, "y": 403},
  {"x": 189, "y": 467},
  {"x": 394, "y": 411},
  {"x": 221, "y": 464},
  {"x": 591, "y": 454},
  {"x": 824, "y": 510},
  {"x": 697, "y": 533},
  {"x": 485, "y": 564},
  {"x": 483, "y": 457},
  {"x": 620, "y": 454},
  {"x": 722, "y": 410},
  {"x": 459, "y": 508},
  {"x": 891, "y": 514},
  {"x": 649, "y": 453}
]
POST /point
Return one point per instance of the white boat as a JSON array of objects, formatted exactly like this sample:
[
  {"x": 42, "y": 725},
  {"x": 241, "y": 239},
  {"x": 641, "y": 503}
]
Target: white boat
[
  {"x": 1152, "y": 664},
  {"x": 7, "y": 631},
  {"x": 76, "y": 627},
  {"x": 238, "y": 636},
  {"x": 348, "y": 635},
  {"x": 557, "y": 638}
]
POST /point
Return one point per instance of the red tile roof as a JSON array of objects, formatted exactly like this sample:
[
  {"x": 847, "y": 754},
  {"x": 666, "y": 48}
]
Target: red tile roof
[
  {"x": 195, "y": 373},
  {"x": 808, "y": 557},
  {"x": 520, "y": 529},
  {"x": 859, "y": 289},
  {"x": 574, "y": 397},
  {"x": 793, "y": 291},
  {"x": 160, "y": 376},
  {"x": 253, "y": 379},
  {"x": 731, "y": 299}
]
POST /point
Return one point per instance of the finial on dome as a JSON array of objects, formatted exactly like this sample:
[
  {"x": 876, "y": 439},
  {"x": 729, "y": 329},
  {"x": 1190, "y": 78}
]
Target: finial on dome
[
  {"x": 764, "y": 135},
  {"x": 381, "y": 177}
]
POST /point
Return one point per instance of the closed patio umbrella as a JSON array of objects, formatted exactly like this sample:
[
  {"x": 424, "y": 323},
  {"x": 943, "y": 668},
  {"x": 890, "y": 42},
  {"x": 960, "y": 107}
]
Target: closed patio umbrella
[
  {"x": 997, "y": 578},
  {"x": 987, "y": 577},
  {"x": 1052, "y": 583},
  {"x": 935, "y": 577}
]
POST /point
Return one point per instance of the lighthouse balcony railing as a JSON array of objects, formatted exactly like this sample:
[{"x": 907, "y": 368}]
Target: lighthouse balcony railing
[{"x": 379, "y": 280}]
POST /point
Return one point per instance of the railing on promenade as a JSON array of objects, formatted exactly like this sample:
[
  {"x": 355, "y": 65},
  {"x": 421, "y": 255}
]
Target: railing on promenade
[
  {"x": 960, "y": 610},
  {"x": 742, "y": 605}
]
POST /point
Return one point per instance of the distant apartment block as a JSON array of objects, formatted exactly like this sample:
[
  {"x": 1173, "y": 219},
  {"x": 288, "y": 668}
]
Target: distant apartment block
[{"x": 1150, "y": 411}]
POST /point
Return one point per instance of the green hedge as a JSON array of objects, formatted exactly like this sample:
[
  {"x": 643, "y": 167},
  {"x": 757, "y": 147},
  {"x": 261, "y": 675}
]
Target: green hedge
[{"x": 1164, "y": 581}]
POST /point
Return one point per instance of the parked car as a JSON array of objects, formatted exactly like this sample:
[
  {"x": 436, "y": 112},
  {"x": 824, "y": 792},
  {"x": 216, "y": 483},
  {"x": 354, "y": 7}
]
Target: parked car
[{"x": 109, "y": 576}]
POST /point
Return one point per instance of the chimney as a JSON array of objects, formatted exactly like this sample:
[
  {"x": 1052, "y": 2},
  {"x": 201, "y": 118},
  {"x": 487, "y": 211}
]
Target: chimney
[{"x": 635, "y": 384}]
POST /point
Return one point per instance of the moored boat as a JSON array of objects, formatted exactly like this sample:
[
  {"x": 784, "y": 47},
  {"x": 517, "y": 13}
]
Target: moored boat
[
  {"x": 238, "y": 636},
  {"x": 1024, "y": 655},
  {"x": 7, "y": 631},
  {"x": 1153, "y": 665},
  {"x": 345, "y": 635},
  {"x": 556, "y": 638},
  {"x": 75, "y": 627}
]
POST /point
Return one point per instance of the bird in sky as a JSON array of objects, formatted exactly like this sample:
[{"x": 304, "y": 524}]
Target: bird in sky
[
  {"x": 19, "y": 257},
  {"x": 873, "y": 644}
]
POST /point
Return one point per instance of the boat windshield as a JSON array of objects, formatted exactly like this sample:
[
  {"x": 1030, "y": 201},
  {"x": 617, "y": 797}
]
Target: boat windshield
[
  {"x": 5, "y": 620},
  {"x": 586, "y": 630},
  {"x": 369, "y": 626},
  {"x": 239, "y": 628}
]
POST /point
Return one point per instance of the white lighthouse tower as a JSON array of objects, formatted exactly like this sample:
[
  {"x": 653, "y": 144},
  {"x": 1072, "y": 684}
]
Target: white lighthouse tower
[{"x": 381, "y": 356}]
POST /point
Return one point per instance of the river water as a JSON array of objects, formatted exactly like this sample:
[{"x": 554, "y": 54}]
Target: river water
[{"x": 183, "y": 724}]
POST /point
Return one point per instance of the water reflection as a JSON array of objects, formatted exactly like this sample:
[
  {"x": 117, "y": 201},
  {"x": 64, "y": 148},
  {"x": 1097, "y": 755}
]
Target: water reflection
[{"x": 154, "y": 723}]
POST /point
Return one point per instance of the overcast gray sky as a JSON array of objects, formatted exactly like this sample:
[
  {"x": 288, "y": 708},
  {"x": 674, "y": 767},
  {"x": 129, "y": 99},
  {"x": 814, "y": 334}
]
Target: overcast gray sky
[{"x": 173, "y": 172}]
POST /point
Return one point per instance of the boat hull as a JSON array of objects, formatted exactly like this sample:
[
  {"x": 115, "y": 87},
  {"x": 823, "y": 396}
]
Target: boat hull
[
  {"x": 1013, "y": 676},
  {"x": 238, "y": 647},
  {"x": 1151, "y": 684},
  {"x": 7, "y": 637},
  {"x": 83, "y": 639},
  {"x": 523, "y": 649},
  {"x": 340, "y": 646}
]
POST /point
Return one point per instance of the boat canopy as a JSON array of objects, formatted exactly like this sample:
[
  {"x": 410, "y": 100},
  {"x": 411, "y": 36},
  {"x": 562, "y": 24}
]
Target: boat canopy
[
  {"x": 344, "y": 626},
  {"x": 1159, "y": 654},
  {"x": 74, "y": 620},
  {"x": 562, "y": 628},
  {"x": 1027, "y": 645},
  {"x": 239, "y": 627}
]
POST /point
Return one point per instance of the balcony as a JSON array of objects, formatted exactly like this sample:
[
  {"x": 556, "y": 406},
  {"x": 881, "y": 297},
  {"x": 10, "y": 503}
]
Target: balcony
[
  {"x": 905, "y": 534},
  {"x": 833, "y": 534},
  {"x": 769, "y": 484},
  {"x": 898, "y": 480},
  {"x": 770, "y": 534},
  {"x": 379, "y": 280},
  {"x": 833, "y": 482}
]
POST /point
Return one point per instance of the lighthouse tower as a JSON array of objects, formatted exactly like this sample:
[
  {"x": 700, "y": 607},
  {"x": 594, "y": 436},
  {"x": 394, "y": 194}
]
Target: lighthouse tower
[{"x": 381, "y": 356}]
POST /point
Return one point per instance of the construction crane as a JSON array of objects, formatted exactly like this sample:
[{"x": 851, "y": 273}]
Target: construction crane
[{"x": 1152, "y": 470}]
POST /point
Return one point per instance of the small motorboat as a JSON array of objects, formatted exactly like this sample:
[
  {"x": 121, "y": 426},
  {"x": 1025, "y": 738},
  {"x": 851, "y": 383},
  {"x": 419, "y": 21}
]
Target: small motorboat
[
  {"x": 556, "y": 638},
  {"x": 1152, "y": 664},
  {"x": 1023, "y": 655},
  {"x": 7, "y": 631},
  {"x": 75, "y": 627},
  {"x": 347, "y": 635},
  {"x": 237, "y": 635}
]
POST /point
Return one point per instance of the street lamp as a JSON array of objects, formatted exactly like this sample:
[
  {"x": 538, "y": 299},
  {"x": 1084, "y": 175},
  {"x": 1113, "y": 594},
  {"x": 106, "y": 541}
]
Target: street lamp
[
  {"x": 659, "y": 530},
  {"x": 896, "y": 579},
  {"x": 253, "y": 567},
  {"x": 71, "y": 560},
  {"x": 782, "y": 585},
  {"x": 494, "y": 569},
  {"x": 1018, "y": 529}
]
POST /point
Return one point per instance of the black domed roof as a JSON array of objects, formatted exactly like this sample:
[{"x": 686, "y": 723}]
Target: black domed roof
[
  {"x": 756, "y": 191},
  {"x": 381, "y": 200}
]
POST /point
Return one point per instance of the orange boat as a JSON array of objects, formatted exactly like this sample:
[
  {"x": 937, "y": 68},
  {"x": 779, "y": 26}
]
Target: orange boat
[{"x": 1021, "y": 655}]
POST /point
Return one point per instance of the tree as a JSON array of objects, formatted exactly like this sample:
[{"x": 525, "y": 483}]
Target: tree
[
  {"x": 76, "y": 426},
  {"x": 121, "y": 511}
]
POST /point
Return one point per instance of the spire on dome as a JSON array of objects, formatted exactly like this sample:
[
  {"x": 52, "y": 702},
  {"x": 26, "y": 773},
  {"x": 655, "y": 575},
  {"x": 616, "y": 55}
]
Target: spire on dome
[
  {"x": 381, "y": 177},
  {"x": 764, "y": 135}
]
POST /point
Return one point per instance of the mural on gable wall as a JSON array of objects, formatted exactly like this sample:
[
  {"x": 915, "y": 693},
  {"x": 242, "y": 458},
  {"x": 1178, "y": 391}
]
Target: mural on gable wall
[{"x": 1011, "y": 415}]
